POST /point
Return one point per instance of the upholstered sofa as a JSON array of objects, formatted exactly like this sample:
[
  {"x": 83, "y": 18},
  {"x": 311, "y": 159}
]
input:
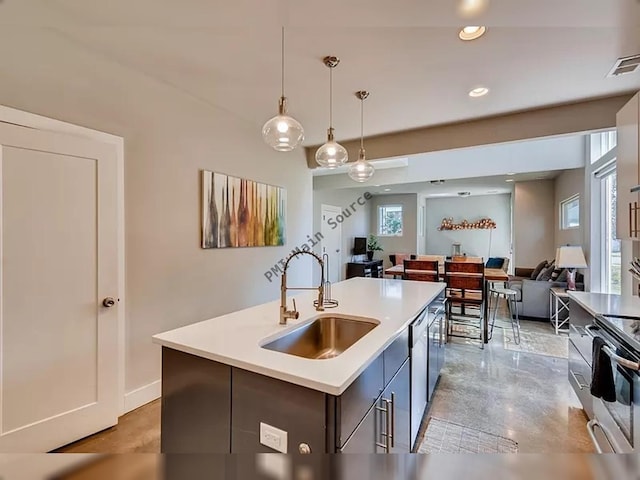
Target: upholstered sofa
[{"x": 533, "y": 295}]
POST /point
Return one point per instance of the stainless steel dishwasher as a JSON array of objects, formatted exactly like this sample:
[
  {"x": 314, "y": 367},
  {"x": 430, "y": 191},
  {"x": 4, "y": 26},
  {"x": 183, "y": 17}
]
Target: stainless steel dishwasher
[
  {"x": 419, "y": 358},
  {"x": 436, "y": 346}
]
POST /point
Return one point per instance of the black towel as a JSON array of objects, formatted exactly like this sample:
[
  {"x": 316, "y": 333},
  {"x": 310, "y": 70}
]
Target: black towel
[{"x": 602, "y": 385}]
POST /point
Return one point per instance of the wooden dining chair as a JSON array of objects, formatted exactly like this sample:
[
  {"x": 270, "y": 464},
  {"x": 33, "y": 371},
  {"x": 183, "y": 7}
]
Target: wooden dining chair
[
  {"x": 465, "y": 288},
  {"x": 464, "y": 258},
  {"x": 421, "y": 270}
]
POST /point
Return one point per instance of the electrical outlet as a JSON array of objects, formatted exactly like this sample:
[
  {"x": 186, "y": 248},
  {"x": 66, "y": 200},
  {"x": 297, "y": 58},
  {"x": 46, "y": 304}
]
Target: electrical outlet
[{"x": 273, "y": 437}]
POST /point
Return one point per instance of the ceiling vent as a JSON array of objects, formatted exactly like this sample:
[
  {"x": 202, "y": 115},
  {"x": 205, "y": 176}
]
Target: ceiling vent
[
  {"x": 625, "y": 65},
  {"x": 437, "y": 182},
  {"x": 464, "y": 194}
]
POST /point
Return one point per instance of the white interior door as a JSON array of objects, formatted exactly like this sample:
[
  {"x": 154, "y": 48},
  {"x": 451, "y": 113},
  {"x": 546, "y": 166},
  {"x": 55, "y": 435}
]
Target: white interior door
[
  {"x": 58, "y": 240},
  {"x": 332, "y": 242}
]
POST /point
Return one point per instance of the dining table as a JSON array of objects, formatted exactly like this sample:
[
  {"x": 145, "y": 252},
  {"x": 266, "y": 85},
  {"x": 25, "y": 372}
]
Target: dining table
[{"x": 490, "y": 275}]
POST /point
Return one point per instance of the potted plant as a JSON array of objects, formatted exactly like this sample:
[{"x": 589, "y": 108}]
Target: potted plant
[{"x": 373, "y": 246}]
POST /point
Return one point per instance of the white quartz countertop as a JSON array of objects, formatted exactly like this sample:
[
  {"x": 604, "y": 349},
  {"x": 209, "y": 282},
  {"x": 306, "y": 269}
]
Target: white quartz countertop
[
  {"x": 235, "y": 339},
  {"x": 606, "y": 304}
]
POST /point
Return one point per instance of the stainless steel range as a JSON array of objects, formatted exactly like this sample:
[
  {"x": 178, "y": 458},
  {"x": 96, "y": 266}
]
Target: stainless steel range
[{"x": 613, "y": 426}]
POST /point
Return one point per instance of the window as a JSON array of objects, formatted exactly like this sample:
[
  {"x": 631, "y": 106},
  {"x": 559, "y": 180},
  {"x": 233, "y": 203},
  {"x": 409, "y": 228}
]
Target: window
[
  {"x": 390, "y": 220},
  {"x": 610, "y": 249},
  {"x": 602, "y": 143},
  {"x": 570, "y": 213}
]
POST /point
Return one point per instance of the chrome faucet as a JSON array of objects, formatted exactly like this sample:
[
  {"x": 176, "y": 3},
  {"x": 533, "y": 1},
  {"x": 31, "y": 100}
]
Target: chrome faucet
[{"x": 284, "y": 313}]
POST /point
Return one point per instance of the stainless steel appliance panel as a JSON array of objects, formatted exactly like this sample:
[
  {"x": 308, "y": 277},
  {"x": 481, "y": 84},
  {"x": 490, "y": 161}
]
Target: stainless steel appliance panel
[
  {"x": 436, "y": 349},
  {"x": 618, "y": 420},
  {"x": 419, "y": 352},
  {"x": 580, "y": 378}
]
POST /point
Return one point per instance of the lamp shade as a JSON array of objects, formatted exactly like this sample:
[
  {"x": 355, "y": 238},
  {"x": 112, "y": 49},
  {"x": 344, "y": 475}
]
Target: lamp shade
[{"x": 569, "y": 256}]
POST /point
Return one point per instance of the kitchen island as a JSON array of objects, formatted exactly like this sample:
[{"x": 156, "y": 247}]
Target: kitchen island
[{"x": 223, "y": 392}]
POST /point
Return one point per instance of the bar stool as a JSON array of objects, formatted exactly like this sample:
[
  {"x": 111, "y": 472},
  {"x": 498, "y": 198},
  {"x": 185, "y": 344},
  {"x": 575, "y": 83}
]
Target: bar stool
[{"x": 511, "y": 297}]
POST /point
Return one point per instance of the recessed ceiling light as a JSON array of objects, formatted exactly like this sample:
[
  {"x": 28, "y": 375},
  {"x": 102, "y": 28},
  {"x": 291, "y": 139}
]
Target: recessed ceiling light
[
  {"x": 472, "y": 33},
  {"x": 509, "y": 180},
  {"x": 376, "y": 185},
  {"x": 387, "y": 189},
  {"x": 478, "y": 92},
  {"x": 510, "y": 173}
]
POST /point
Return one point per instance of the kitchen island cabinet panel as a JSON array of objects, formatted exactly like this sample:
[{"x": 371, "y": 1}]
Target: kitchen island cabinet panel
[
  {"x": 366, "y": 437},
  {"x": 299, "y": 411},
  {"x": 395, "y": 355},
  {"x": 353, "y": 404},
  {"x": 399, "y": 390},
  {"x": 196, "y": 404}
]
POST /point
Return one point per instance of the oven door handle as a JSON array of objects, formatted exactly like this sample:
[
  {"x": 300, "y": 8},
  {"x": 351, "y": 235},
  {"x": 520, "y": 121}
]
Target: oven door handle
[
  {"x": 575, "y": 329},
  {"x": 631, "y": 365},
  {"x": 588, "y": 331},
  {"x": 635, "y": 366},
  {"x": 591, "y": 430}
]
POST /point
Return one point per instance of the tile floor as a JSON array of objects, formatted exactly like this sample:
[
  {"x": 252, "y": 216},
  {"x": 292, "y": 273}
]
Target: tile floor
[
  {"x": 447, "y": 437},
  {"x": 521, "y": 396}
]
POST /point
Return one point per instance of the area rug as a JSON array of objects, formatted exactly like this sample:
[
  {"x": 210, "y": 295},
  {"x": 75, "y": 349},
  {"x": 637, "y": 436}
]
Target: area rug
[
  {"x": 538, "y": 343},
  {"x": 443, "y": 436}
]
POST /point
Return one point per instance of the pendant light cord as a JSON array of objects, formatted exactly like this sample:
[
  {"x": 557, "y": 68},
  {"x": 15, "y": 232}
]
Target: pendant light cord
[
  {"x": 362, "y": 124},
  {"x": 282, "y": 61},
  {"x": 330, "y": 97}
]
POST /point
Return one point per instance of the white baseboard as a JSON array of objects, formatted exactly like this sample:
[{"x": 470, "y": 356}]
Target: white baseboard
[{"x": 141, "y": 396}]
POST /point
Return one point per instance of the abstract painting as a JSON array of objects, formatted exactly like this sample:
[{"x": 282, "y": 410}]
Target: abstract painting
[{"x": 241, "y": 213}]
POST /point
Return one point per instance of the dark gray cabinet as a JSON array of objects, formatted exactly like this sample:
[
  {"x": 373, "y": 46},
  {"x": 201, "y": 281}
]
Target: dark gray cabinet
[
  {"x": 386, "y": 426},
  {"x": 353, "y": 404},
  {"x": 398, "y": 391},
  {"x": 297, "y": 410},
  {"x": 196, "y": 404},
  {"x": 367, "y": 436},
  {"x": 395, "y": 355}
]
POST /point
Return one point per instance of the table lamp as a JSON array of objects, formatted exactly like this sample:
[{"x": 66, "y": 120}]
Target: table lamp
[{"x": 570, "y": 257}]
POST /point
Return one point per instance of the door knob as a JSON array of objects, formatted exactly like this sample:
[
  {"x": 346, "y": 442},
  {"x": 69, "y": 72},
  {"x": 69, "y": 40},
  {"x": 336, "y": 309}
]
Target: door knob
[{"x": 108, "y": 302}]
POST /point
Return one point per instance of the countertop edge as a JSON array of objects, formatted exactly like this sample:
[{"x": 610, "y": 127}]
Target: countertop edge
[{"x": 582, "y": 303}]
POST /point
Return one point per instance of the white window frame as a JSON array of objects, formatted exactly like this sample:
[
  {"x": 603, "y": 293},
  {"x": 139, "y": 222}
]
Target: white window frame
[
  {"x": 380, "y": 209},
  {"x": 564, "y": 202},
  {"x": 602, "y": 143}
]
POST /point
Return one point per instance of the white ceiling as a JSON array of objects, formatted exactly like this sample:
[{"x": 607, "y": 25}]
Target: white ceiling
[{"x": 406, "y": 53}]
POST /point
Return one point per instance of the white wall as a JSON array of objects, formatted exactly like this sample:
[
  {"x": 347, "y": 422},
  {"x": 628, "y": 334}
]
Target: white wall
[
  {"x": 356, "y": 225},
  {"x": 169, "y": 136},
  {"x": 533, "y": 223},
  {"x": 408, "y": 241},
  {"x": 473, "y": 242},
  {"x": 568, "y": 184}
]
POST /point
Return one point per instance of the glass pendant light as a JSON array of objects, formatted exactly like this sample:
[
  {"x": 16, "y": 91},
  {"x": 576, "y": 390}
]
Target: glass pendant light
[
  {"x": 283, "y": 133},
  {"x": 331, "y": 154},
  {"x": 361, "y": 171}
]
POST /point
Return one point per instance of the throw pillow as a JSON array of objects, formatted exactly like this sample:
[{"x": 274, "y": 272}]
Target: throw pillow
[
  {"x": 539, "y": 277},
  {"x": 545, "y": 275},
  {"x": 495, "y": 262},
  {"x": 564, "y": 276},
  {"x": 556, "y": 274},
  {"x": 538, "y": 269}
]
